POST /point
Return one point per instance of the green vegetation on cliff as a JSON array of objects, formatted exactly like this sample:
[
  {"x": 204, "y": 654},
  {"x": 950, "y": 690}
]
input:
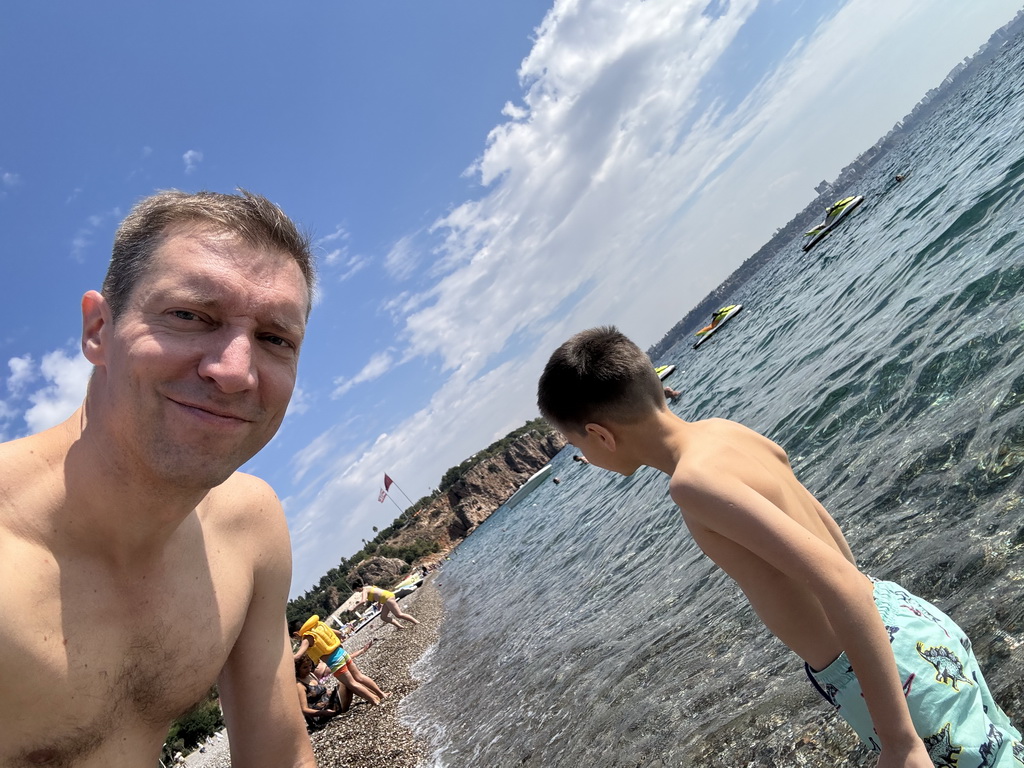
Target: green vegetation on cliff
[{"x": 333, "y": 588}]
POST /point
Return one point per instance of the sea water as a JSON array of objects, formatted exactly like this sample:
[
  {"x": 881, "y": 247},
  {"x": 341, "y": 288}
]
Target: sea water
[{"x": 584, "y": 628}]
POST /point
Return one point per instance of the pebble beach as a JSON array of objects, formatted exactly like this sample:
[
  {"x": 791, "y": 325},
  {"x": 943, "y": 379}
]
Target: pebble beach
[{"x": 367, "y": 736}]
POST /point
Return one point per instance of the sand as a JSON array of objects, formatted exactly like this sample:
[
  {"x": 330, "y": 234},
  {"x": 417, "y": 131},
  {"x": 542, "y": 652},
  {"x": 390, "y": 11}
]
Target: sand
[{"x": 367, "y": 736}]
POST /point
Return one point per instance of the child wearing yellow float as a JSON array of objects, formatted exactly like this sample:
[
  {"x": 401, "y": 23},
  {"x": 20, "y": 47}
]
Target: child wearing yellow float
[{"x": 323, "y": 647}]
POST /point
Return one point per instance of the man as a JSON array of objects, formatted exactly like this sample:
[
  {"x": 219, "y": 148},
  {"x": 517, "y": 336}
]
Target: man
[{"x": 138, "y": 567}]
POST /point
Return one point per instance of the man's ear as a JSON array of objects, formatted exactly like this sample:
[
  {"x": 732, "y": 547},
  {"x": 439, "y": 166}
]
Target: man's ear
[
  {"x": 96, "y": 321},
  {"x": 602, "y": 433}
]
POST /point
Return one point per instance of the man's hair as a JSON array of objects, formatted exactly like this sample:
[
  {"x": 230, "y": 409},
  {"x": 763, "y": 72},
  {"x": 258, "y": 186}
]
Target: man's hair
[
  {"x": 252, "y": 218},
  {"x": 598, "y": 376},
  {"x": 294, "y": 626}
]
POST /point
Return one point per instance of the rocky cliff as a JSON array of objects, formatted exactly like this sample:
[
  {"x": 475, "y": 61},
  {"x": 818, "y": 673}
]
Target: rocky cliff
[{"x": 470, "y": 500}]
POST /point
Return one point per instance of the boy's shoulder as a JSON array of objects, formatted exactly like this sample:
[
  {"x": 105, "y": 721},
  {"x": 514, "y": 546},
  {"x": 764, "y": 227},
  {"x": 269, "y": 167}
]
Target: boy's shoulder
[
  {"x": 716, "y": 453},
  {"x": 718, "y": 437}
]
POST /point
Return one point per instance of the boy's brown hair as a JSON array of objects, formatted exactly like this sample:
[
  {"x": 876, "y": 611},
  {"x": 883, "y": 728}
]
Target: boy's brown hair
[{"x": 598, "y": 376}]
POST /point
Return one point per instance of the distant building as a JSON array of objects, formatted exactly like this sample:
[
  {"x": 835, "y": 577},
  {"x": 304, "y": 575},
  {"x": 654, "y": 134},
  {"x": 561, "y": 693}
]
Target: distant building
[{"x": 822, "y": 188}]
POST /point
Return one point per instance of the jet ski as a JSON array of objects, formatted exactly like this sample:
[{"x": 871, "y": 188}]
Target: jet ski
[
  {"x": 834, "y": 214},
  {"x": 718, "y": 319}
]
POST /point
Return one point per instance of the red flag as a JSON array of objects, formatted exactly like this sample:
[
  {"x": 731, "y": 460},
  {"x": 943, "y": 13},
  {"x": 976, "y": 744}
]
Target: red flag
[
  {"x": 382, "y": 495},
  {"x": 387, "y": 482}
]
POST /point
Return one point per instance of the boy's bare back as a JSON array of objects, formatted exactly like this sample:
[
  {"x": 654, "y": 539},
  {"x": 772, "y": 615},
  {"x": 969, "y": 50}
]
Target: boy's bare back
[
  {"x": 748, "y": 512},
  {"x": 745, "y": 509}
]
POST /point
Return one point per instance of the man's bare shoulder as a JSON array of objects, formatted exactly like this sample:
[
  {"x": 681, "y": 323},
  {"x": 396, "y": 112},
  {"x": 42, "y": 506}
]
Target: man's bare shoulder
[
  {"x": 32, "y": 480},
  {"x": 245, "y": 507},
  {"x": 242, "y": 488}
]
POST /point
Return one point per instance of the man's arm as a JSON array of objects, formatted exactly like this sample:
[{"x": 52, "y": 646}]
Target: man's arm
[
  {"x": 257, "y": 683},
  {"x": 732, "y": 509}
]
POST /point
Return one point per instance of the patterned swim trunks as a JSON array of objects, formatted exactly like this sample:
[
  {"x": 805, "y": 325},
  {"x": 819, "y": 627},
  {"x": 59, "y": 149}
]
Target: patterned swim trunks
[
  {"x": 951, "y": 706},
  {"x": 337, "y": 660}
]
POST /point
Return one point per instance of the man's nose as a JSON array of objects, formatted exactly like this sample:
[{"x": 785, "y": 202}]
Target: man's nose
[{"x": 230, "y": 361}]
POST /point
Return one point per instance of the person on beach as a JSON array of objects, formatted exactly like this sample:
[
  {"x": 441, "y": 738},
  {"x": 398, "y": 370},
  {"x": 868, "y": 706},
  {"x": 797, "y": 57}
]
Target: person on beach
[
  {"x": 389, "y": 607},
  {"x": 896, "y": 668},
  {"x": 126, "y": 532},
  {"x": 318, "y": 703},
  {"x": 322, "y": 646}
]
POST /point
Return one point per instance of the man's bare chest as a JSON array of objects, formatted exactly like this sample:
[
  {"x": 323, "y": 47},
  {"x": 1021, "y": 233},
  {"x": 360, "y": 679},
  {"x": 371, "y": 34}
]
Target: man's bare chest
[{"x": 89, "y": 653}]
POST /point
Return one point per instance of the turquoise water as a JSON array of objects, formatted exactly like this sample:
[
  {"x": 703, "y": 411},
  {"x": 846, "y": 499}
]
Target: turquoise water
[{"x": 585, "y": 628}]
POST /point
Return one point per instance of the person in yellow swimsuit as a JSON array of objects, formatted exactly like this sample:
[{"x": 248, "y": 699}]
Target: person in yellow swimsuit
[
  {"x": 389, "y": 607},
  {"x": 323, "y": 646}
]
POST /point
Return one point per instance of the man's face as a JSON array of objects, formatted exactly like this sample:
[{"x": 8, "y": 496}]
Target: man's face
[{"x": 197, "y": 371}]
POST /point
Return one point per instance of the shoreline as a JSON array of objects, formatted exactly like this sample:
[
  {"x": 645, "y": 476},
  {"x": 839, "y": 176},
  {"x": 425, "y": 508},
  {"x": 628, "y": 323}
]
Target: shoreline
[
  {"x": 374, "y": 737},
  {"x": 367, "y": 736}
]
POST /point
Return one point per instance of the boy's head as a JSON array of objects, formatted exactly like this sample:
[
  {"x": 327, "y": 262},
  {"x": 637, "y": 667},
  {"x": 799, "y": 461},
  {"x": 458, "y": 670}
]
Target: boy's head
[{"x": 598, "y": 377}]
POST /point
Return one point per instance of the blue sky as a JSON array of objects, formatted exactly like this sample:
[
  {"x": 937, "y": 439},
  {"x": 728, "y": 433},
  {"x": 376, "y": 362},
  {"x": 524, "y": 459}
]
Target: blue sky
[{"x": 481, "y": 179}]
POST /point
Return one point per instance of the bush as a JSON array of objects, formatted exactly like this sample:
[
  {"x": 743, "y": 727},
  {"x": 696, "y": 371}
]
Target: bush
[{"x": 195, "y": 726}]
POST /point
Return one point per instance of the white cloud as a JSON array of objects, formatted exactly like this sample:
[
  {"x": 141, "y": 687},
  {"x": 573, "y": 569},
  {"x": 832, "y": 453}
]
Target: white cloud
[
  {"x": 379, "y": 364},
  {"x": 578, "y": 175},
  {"x": 83, "y": 238},
  {"x": 337, "y": 241},
  {"x": 300, "y": 402},
  {"x": 353, "y": 266},
  {"x": 339, "y": 233},
  {"x": 611, "y": 194},
  {"x": 8, "y": 181},
  {"x": 403, "y": 258},
  {"x": 335, "y": 248},
  {"x": 22, "y": 372},
  {"x": 67, "y": 376},
  {"x": 192, "y": 160}
]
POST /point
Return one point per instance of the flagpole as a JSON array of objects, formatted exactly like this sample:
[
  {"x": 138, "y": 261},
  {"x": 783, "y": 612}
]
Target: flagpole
[{"x": 387, "y": 477}]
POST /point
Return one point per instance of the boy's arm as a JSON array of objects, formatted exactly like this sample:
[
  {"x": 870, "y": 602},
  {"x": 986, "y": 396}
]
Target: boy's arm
[
  {"x": 304, "y": 646},
  {"x": 837, "y": 534},
  {"x": 257, "y": 683},
  {"x": 732, "y": 509}
]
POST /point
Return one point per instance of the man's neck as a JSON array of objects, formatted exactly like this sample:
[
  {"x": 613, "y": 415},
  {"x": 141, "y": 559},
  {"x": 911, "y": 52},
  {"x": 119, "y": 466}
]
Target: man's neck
[{"x": 111, "y": 510}]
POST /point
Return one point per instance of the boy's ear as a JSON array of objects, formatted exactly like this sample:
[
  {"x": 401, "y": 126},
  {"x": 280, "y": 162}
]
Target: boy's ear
[
  {"x": 96, "y": 319},
  {"x": 603, "y": 435}
]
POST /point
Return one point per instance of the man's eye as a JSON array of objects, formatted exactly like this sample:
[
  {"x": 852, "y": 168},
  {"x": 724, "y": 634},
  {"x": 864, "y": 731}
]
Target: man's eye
[
  {"x": 278, "y": 341},
  {"x": 184, "y": 314}
]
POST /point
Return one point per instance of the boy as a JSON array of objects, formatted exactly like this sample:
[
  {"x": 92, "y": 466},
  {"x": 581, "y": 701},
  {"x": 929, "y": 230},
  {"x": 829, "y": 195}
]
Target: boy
[{"x": 896, "y": 668}]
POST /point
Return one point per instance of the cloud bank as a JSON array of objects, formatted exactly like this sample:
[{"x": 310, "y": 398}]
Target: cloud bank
[{"x": 611, "y": 194}]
